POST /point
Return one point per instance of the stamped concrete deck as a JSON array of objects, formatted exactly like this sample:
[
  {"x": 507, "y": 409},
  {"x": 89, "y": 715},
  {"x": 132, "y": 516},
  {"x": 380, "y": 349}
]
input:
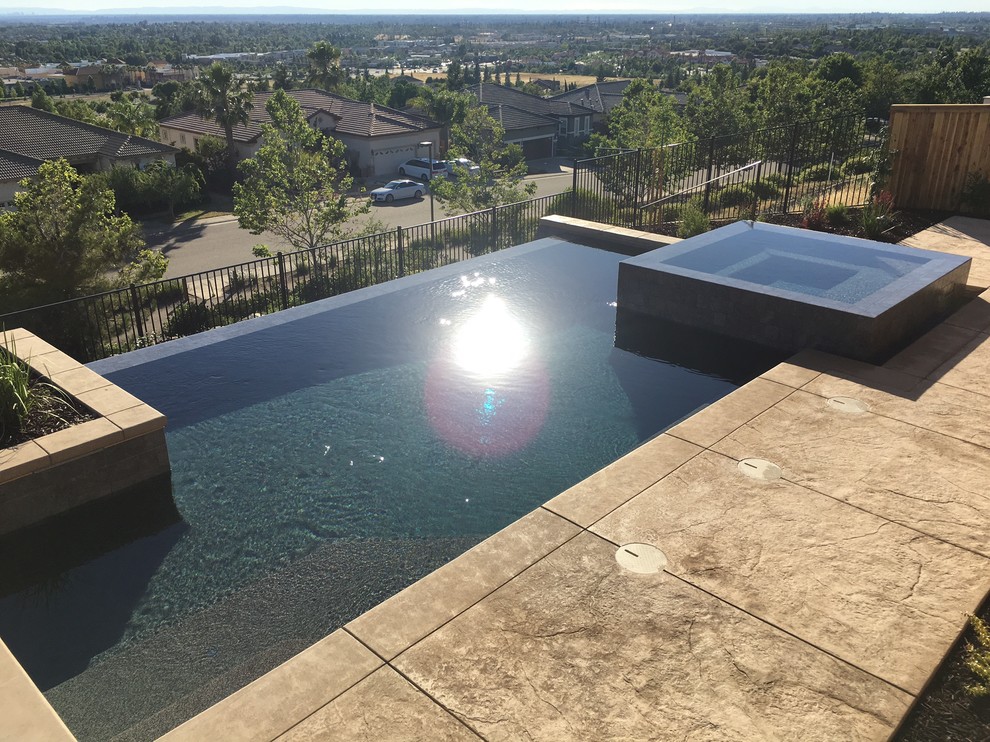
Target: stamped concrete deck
[{"x": 810, "y": 605}]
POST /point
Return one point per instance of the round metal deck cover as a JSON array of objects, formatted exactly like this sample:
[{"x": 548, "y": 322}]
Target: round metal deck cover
[
  {"x": 643, "y": 559},
  {"x": 850, "y": 405},
  {"x": 765, "y": 471}
]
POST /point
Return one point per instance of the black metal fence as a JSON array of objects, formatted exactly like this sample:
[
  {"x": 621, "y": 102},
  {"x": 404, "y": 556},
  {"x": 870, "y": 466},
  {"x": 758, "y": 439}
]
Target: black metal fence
[
  {"x": 97, "y": 326},
  {"x": 761, "y": 172},
  {"x": 768, "y": 171}
]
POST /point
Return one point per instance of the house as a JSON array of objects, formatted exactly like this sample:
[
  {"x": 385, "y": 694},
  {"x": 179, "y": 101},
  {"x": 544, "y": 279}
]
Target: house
[
  {"x": 601, "y": 97},
  {"x": 13, "y": 169},
  {"x": 535, "y": 123},
  {"x": 378, "y": 138},
  {"x": 29, "y": 136}
]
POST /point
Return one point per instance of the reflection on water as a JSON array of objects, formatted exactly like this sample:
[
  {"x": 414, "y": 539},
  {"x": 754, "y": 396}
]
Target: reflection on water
[
  {"x": 485, "y": 394},
  {"x": 491, "y": 341}
]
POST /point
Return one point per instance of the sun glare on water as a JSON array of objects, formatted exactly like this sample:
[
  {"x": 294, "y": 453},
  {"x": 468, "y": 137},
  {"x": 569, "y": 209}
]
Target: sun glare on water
[{"x": 492, "y": 341}]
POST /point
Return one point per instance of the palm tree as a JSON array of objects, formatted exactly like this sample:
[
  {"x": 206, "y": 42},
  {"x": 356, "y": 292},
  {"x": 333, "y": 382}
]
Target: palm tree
[
  {"x": 221, "y": 98},
  {"x": 324, "y": 66},
  {"x": 133, "y": 116}
]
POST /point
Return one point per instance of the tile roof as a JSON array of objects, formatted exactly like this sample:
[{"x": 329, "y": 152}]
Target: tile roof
[
  {"x": 15, "y": 167},
  {"x": 489, "y": 94},
  {"x": 601, "y": 96},
  {"x": 516, "y": 118},
  {"x": 355, "y": 117},
  {"x": 47, "y": 136}
]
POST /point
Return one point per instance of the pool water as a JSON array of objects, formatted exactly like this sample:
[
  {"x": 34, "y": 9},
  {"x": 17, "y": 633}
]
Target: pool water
[
  {"x": 325, "y": 457},
  {"x": 817, "y": 265}
]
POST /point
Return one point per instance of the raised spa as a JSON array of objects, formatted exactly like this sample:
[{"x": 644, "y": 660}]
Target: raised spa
[{"x": 793, "y": 288}]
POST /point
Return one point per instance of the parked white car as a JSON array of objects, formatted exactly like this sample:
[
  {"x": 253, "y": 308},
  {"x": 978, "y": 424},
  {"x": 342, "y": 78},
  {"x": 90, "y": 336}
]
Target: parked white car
[
  {"x": 423, "y": 169},
  {"x": 463, "y": 162},
  {"x": 398, "y": 189}
]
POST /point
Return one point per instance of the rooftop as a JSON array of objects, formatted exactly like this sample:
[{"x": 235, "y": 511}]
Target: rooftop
[
  {"x": 357, "y": 118},
  {"x": 40, "y": 135}
]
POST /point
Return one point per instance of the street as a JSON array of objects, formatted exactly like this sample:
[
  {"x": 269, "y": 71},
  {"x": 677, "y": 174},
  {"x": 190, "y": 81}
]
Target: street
[{"x": 219, "y": 242}]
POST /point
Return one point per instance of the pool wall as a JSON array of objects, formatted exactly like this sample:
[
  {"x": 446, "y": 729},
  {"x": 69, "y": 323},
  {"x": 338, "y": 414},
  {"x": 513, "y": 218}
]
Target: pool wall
[{"x": 871, "y": 329}]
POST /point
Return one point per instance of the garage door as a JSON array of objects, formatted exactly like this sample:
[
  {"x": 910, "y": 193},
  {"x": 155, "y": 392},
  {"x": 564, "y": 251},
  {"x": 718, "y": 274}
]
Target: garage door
[{"x": 537, "y": 149}]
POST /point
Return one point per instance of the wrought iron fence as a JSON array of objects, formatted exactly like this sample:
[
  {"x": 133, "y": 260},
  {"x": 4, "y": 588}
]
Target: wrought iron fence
[
  {"x": 763, "y": 172},
  {"x": 828, "y": 160},
  {"x": 97, "y": 326}
]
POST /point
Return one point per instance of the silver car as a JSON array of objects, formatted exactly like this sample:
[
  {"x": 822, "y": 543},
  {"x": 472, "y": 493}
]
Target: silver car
[
  {"x": 398, "y": 189},
  {"x": 461, "y": 162}
]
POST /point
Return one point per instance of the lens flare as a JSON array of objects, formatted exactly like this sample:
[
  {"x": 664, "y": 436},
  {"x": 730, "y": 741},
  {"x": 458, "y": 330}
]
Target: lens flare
[{"x": 487, "y": 395}]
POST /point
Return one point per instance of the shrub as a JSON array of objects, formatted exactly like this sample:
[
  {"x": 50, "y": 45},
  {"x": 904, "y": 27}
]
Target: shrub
[
  {"x": 817, "y": 173},
  {"x": 978, "y": 658},
  {"x": 188, "y": 319},
  {"x": 975, "y": 194},
  {"x": 877, "y": 216},
  {"x": 837, "y": 215},
  {"x": 21, "y": 394},
  {"x": 766, "y": 188},
  {"x": 858, "y": 165},
  {"x": 775, "y": 179},
  {"x": 735, "y": 195},
  {"x": 814, "y": 216},
  {"x": 694, "y": 221},
  {"x": 237, "y": 282}
]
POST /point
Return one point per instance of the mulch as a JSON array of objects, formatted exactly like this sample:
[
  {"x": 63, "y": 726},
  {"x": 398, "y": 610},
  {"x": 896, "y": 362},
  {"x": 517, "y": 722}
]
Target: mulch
[{"x": 50, "y": 416}]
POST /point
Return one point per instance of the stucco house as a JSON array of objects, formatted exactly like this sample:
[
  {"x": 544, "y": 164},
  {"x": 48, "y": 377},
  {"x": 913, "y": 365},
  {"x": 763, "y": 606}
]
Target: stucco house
[
  {"x": 378, "y": 138},
  {"x": 535, "y": 123},
  {"x": 29, "y": 137}
]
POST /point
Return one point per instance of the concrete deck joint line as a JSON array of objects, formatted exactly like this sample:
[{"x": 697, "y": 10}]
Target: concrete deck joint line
[{"x": 790, "y": 633}]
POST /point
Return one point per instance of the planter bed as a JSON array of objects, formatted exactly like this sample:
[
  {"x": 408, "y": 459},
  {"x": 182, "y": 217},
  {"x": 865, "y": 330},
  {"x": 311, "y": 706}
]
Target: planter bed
[{"x": 122, "y": 447}]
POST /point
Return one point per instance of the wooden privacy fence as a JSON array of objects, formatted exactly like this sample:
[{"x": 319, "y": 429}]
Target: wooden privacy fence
[{"x": 935, "y": 147}]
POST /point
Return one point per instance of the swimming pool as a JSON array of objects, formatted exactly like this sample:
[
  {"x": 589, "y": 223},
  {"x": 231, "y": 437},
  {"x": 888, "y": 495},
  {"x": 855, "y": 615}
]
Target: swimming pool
[{"x": 327, "y": 456}]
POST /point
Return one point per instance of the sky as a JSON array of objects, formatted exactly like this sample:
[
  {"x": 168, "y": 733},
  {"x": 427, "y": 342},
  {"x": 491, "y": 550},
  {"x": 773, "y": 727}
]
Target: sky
[{"x": 421, "y": 7}]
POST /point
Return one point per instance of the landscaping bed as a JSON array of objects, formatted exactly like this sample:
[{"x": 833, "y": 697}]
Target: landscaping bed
[
  {"x": 49, "y": 416},
  {"x": 907, "y": 222},
  {"x": 945, "y": 712}
]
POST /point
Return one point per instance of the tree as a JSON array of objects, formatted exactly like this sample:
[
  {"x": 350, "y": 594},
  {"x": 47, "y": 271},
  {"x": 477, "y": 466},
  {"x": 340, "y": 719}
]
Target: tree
[
  {"x": 173, "y": 185},
  {"x": 133, "y": 116},
  {"x": 718, "y": 104},
  {"x": 220, "y": 98},
  {"x": 840, "y": 66},
  {"x": 63, "y": 236},
  {"x": 644, "y": 119},
  {"x": 296, "y": 185},
  {"x": 282, "y": 77},
  {"x": 499, "y": 180},
  {"x": 172, "y": 97},
  {"x": 324, "y": 66},
  {"x": 41, "y": 100},
  {"x": 455, "y": 75}
]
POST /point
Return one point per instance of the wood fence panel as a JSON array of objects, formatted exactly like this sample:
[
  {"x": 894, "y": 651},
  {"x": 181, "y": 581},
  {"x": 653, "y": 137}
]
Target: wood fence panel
[{"x": 935, "y": 147}]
